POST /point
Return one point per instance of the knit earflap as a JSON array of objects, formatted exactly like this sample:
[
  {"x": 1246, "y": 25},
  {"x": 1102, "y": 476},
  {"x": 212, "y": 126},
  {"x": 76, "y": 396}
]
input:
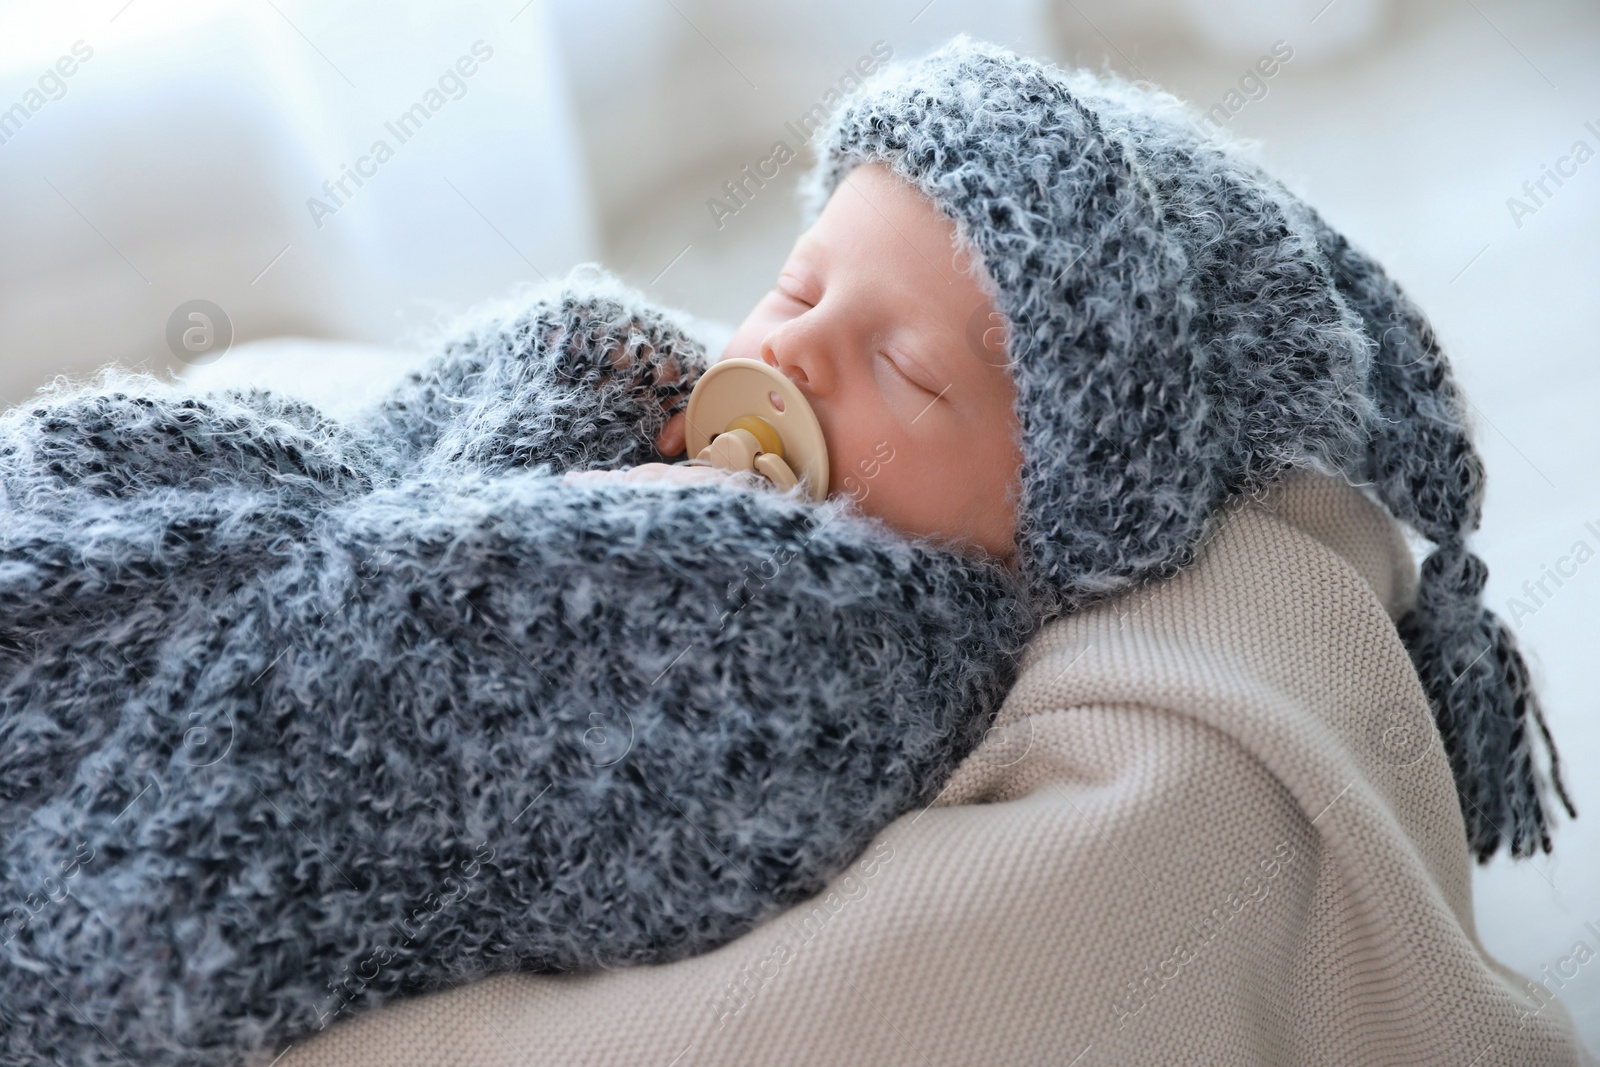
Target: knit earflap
[{"x": 1183, "y": 331}]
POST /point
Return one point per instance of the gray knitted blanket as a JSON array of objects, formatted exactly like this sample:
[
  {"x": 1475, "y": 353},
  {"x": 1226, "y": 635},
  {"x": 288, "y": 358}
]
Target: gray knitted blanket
[{"x": 298, "y": 716}]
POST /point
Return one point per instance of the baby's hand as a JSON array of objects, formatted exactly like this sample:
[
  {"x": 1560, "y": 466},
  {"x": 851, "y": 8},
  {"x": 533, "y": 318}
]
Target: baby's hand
[
  {"x": 671, "y": 473},
  {"x": 672, "y": 438}
]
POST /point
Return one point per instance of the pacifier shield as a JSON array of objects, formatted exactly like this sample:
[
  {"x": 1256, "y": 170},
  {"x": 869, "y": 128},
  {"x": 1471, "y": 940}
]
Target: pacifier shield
[{"x": 750, "y": 396}]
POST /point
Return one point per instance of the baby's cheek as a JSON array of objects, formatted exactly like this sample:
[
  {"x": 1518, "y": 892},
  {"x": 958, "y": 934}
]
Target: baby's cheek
[{"x": 874, "y": 469}]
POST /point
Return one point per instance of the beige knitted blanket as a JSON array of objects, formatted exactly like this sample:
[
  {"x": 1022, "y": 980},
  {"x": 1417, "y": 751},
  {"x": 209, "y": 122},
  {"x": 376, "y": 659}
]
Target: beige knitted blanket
[{"x": 1213, "y": 825}]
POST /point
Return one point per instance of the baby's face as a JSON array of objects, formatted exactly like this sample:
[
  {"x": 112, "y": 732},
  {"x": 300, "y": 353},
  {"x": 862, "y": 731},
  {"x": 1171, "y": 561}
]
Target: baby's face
[{"x": 871, "y": 319}]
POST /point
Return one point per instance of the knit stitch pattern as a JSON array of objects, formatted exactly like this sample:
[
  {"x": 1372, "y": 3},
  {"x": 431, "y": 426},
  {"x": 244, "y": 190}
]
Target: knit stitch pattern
[{"x": 298, "y": 716}]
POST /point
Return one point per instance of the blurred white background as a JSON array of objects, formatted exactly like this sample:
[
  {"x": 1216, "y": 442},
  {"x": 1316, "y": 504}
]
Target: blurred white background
[{"x": 179, "y": 159}]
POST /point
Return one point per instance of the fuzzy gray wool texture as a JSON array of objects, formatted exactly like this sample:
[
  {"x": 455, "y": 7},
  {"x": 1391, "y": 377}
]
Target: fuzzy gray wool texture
[
  {"x": 1183, "y": 330},
  {"x": 300, "y": 715}
]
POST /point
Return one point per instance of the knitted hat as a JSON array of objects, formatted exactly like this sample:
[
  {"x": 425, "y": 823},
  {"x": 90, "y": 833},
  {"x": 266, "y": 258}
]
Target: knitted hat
[{"x": 1182, "y": 331}]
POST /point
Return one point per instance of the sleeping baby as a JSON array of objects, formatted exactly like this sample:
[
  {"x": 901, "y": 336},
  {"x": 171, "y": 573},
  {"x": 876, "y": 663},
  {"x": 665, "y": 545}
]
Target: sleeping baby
[{"x": 300, "y": 715}]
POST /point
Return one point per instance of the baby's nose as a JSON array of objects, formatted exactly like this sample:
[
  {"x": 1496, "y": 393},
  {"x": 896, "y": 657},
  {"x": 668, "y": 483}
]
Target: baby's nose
[{"x": 793, "y": 371}]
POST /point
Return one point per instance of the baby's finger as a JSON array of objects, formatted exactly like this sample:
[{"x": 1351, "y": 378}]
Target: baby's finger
[
  {"x": 673, "y": 436},
  {"x": 574, "y": 477},
  {"x": 671, "y": 473},
  {"x": 674, "y": 473}
]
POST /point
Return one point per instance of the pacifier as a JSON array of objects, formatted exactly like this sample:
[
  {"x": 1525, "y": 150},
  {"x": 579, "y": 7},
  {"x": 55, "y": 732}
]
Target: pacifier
[{"x": 745, "y": 415}]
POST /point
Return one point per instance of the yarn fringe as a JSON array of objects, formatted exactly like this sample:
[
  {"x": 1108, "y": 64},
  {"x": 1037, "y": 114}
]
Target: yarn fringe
[{"x": 1483, "y": 702}]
